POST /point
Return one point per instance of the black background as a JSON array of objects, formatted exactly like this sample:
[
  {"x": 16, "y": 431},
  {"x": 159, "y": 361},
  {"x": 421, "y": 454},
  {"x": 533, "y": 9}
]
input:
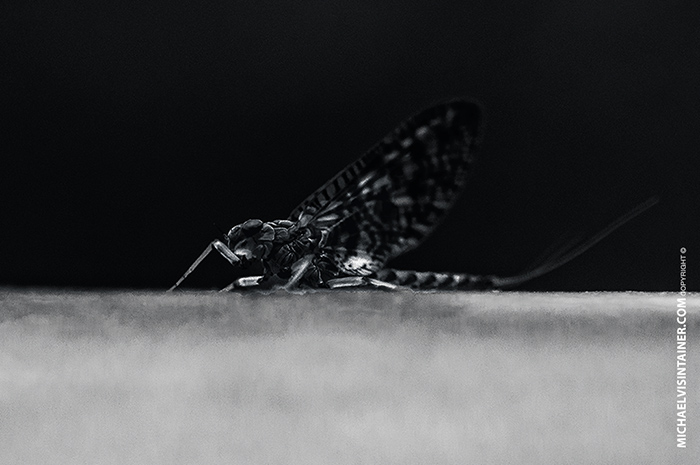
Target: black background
[{"x": 130, "y": 128}]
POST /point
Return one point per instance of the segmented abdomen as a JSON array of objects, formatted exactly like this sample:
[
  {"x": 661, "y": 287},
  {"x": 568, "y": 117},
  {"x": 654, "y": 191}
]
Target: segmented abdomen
[{"x": 427, "y": 280}]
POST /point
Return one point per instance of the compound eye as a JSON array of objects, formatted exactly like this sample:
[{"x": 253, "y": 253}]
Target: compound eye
[
  {"x": 267, "y": 233},
  {"x": 234, "y": 235},
  {"x": 251, "y": 227}
]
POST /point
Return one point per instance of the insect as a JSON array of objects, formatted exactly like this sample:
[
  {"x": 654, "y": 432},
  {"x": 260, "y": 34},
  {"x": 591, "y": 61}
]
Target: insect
[{"x": 380, "y": 206}]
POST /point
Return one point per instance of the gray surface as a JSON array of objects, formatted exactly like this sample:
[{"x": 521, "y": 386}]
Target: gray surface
[{"x": 342, "y": 377}]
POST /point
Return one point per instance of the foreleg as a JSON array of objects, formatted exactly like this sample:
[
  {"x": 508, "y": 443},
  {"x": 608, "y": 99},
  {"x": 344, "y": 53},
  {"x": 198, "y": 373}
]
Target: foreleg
[{"x": 214, "y": 245}]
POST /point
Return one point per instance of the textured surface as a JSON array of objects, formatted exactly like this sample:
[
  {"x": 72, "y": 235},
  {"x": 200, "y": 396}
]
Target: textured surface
[{"x": 342, "y": 378}]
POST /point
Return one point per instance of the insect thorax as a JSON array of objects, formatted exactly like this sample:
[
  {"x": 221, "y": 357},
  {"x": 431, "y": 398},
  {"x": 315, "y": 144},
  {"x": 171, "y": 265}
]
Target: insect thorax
[{"x": 277, "y": 244}]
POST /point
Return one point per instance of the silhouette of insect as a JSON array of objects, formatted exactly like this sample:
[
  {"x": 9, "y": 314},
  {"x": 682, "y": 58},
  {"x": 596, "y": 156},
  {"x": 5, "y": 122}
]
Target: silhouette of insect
[{"x": 380, "y": 206}]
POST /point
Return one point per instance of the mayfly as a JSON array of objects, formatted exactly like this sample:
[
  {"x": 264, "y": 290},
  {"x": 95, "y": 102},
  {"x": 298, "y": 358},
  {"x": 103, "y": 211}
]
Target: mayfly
[{"x": 380, "y": 206}]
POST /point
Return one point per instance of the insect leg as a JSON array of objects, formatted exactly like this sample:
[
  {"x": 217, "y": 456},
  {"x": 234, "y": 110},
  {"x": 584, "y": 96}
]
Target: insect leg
[
  {"x": 214, "y": 245},
  {"x": 241, "y": 283},
  {"x": 359, "y": 281},
  {"x": 298, "y": 269},
  {"x": 226, "y": 252}
]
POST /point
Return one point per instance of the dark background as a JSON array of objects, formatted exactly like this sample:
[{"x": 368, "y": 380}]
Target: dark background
[{"x": 129, "y": 128}]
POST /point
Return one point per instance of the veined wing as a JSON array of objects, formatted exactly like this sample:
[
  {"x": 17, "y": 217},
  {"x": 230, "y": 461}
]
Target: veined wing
[{"x": 390, "y": 199}]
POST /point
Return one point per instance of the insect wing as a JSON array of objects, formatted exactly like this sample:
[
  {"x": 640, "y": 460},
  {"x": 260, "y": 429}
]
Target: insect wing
[{"x": 389, "y": 200}]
